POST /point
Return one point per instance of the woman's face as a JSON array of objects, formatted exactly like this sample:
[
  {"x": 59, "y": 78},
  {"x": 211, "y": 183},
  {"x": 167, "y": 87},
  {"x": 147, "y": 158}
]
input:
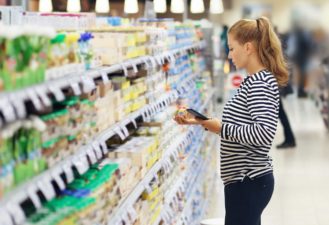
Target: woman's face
[{"x": 238, "y": 52}]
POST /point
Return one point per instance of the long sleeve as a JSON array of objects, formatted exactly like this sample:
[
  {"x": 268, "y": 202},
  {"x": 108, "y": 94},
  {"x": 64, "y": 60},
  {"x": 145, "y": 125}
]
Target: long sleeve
[{"x": 262, "y": 106}]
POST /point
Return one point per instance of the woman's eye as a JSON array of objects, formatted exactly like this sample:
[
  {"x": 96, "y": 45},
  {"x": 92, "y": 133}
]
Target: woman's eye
[{"x": 231, "y": 49}]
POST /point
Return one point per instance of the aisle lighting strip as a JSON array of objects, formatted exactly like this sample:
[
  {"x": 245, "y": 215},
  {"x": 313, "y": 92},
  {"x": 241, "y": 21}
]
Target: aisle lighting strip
[
  {"x": 93, "y": 151},
  {"x": 14, "y": 101},
  {"x": 121, "y": 213}
]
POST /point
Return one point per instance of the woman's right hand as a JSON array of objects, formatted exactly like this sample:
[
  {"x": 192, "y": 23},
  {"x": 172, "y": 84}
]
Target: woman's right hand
[{"x": 186, "y": 119}]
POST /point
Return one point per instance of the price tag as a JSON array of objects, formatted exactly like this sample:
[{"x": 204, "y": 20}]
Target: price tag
[
  {"x": 125, "y": 218},
  {"x": 105, "y": 77},
  {"x": 175, "y": 154},
  {"x": 156, "y": 178},
  {"x": 166, "y": 216},
  {"x": 168, "y": 100},
  {"x": 144, "y": 114},
  {"x": 80, "y": 164},
  {"x": 172, "y": 57},
  {"x": 153, "y": 62},
  {"x": 57, "y": 92},
  {"x": 168, "y": 163},
  {"x": 125, "y": 130},
  {"x": 158, "y": 59},
  {"x": 42, "y": 93},
  {"x": 18, "y": 104},
  {"x": 32, "y": 193},
  {"x": 88, "y": 84},
  {"x": 132, "y": 213},
  {"x": 5, "y": 218},
  {"x": 164, "y": 167},
  {"x": 134, "y": 66},
  {"x": 108, "y": 134},
  {"x": 133, "y": 120},
  {"x": 67, "y": 168},
  {"x": 16, "y": 212},
  {"x": 91, "y": 155},
  {"x": 104, "y": 147},
  {"x": 146, "y": 64},
  {"x": 46, "y": 187},
  {"x": 124, "y": 68},
  {"x": 97, "y": 149},
  {"x": 74, "y": 84},
  {"x": 118, "y": 131},
  {"x": 7, "y": 110},
  {"x": 148, "y": 188},
  {"x": 155, "y": 108},
  {"x": 149, "y": 111},
  {"x": 55, "y": 174}
]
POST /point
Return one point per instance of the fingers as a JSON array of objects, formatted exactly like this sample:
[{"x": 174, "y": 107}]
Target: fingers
[{"x": 180, "y": 120}]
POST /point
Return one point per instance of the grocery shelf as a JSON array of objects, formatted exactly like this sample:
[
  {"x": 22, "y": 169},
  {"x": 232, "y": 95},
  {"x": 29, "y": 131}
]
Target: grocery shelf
[
  {"x": 94, "y": 150},
  {"x": 193, "y": 188},
  {"x": 142, "y": 185},
  {"x": 14, "y": 100}
]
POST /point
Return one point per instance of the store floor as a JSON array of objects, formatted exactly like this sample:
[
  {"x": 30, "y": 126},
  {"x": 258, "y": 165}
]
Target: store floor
[{"x": 301, "y": 195}]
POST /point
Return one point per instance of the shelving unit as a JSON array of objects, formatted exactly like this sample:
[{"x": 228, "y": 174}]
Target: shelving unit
[
  {"x": 15, "y": 101},
  {"x": 96, "y": 148}
]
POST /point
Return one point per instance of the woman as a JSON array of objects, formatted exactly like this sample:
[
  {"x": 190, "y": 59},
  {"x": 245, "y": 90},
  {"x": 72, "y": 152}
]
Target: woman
[{"x": 249, "y": 121}]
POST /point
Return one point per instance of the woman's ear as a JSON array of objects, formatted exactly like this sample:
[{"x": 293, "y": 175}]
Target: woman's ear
[{"x": 249, "y": 48}]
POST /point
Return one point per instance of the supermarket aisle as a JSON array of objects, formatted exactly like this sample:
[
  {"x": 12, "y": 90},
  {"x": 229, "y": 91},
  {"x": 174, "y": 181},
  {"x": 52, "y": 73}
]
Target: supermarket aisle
[{"x": 301, "y": 195}]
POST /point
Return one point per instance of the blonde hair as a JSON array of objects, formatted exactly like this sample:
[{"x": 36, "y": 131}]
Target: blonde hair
[{"x": 268, "y": 45}]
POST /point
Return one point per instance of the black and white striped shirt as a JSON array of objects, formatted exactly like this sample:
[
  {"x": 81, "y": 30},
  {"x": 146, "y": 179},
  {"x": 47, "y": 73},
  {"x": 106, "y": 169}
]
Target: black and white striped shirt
[{"x": 249, "y": 124}]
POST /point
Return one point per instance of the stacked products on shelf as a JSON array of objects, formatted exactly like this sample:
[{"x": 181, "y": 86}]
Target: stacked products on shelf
[
  {"x": 49, "y": 56},
  {"x": 320, "y": 90},
  {"x": 99, "y": 183}
]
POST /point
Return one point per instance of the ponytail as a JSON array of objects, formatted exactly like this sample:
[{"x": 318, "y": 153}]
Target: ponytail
[{"x": 267, "y": 43}]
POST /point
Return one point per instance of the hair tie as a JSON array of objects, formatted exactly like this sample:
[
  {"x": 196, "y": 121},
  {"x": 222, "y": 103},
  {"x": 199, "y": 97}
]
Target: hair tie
[{"x": 257, "y": 22}]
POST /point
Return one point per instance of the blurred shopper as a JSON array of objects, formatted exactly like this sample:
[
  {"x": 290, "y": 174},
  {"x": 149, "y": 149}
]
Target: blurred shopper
[
  {"x": 300, "y": 50},
  {"x": 289, "y": 138},
  {"x": 223, "y": 41},
  {"x": 249, "y": 121}
]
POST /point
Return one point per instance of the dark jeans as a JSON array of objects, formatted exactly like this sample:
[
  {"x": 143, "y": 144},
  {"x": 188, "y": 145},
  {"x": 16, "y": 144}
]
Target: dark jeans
[{"x": 246, "y": 200}]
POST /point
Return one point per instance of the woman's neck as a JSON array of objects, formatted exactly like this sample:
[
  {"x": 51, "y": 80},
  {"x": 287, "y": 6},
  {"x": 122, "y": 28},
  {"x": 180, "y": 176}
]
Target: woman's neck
[{"x": 254, "y": 66}]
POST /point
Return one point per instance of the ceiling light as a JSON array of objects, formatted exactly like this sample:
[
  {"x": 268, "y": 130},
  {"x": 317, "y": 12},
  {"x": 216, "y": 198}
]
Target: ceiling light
[
  {"x": 197, "y": 6},
  {"x": 177, "y": 6},
  {"x": 160, "y": 6},
  {"x": 216, "y": 6},
  {"x": 102, "y": 6},
  {"x": 131, "y": 6},
  {"x": 73, "y": 6},
  {"x": 45, "y": 6}
]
